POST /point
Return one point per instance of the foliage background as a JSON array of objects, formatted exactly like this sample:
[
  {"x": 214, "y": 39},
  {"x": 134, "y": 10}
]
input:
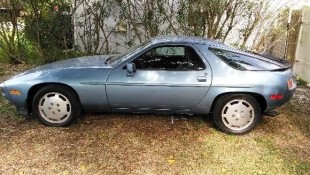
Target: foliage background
[{"x": 42, "y": 31}]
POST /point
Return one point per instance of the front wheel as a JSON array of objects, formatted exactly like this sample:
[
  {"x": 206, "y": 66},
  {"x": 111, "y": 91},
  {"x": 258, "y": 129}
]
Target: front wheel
[
  {"x": 56, "y": 105},
  {"x": 237, "y": 113}
]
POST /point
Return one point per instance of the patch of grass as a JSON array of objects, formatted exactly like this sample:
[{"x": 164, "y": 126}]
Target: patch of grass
[
  {"x": 197, "y": 123},
  {"x": 243, "y": 155},
  {"x": 302, "y": 168},
  {"x": 296, "y": 159},
  {"x": 8, "y": 111},
  {"x": 298, "y": 119},
  {"x": 1, "y": 72},
  {"x": 136, "y": 144},
  {"x": 267, "y": 143},
  {"x": 303, "y": 123}
]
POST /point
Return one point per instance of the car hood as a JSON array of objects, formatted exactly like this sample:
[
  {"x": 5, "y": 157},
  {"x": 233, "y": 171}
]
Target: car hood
[{"x": 95, "y": 61}]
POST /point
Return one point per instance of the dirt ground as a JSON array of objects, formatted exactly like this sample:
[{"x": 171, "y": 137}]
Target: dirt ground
[{"x": 151, "y": 144}]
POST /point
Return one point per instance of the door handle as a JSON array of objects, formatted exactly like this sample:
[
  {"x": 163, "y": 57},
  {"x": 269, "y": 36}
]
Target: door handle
[{"x": 202, "y": 78}]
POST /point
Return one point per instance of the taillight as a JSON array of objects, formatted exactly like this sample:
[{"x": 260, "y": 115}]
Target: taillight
[{"x": 276, "y": 97}]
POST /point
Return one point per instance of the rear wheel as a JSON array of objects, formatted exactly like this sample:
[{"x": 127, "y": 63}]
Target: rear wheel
[
  {"x": 236, "y": 113},
  {"x": 56, "y": 105}
]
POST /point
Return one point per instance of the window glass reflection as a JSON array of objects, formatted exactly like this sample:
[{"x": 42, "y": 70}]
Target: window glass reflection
[{"x": 181, "y": 58}]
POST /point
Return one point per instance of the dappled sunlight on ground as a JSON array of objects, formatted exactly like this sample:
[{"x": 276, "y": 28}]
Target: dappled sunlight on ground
[{"x": 141, "y": 143}]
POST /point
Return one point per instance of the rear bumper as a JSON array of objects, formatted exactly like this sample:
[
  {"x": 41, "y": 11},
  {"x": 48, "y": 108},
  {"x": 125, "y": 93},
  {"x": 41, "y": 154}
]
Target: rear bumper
[
  {"x": 288, "y": 92},
  {"x": 289, "y": 95},
  {"x": 273, "y": 104}
]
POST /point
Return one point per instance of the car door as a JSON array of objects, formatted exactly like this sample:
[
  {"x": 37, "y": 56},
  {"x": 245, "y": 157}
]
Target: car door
[{"x": 167, "y": 77}]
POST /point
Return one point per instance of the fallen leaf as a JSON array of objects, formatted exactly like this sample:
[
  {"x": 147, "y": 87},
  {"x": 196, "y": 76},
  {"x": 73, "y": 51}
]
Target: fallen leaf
[
  {"x": 21, "y": 173},
  {"x": 171, "y": 160},
  {"x": 66, "y": 172},
  {"x": 83, "y": 168}
]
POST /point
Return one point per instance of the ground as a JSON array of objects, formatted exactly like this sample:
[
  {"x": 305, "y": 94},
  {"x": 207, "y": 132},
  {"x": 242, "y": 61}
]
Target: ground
[{"x": 151, "y": 144}]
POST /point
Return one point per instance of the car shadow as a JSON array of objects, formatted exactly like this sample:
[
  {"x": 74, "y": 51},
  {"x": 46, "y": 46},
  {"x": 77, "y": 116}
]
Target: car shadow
[{"x": 145, "y": 122}]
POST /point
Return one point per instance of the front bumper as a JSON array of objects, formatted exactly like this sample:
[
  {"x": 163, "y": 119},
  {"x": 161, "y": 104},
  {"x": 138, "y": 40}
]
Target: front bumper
[
  {"x": 7, "y": 97},
  {"x": 5, "y": 93}
]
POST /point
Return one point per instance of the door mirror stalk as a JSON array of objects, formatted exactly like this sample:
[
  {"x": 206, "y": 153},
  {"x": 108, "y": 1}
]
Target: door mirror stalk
[{"x": 131, "y": 69}]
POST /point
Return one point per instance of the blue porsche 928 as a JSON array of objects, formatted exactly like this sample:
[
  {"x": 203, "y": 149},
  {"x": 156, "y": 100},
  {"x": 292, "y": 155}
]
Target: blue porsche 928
[{"x": 166, "y": 74}]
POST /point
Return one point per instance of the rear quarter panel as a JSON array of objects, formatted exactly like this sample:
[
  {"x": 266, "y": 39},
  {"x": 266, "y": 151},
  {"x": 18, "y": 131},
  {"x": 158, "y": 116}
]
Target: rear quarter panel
[{"x": 226, "y": 79}]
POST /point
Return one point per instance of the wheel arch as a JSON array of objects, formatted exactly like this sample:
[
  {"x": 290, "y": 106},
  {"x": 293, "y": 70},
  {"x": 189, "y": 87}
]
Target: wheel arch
[
  {"x": 258, "y": 97},
  {"x": 35, "y": 88}
]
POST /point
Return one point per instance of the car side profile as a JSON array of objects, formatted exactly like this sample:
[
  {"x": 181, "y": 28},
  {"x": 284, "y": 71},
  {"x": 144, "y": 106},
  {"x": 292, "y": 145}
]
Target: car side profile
[{"x": 167, "y": 74}]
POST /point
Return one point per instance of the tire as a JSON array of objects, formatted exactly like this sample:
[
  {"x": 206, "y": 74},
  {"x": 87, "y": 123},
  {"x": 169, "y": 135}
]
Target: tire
[
  {"x": 56, "y": 106},
  {"x": 236, "y": 113}
]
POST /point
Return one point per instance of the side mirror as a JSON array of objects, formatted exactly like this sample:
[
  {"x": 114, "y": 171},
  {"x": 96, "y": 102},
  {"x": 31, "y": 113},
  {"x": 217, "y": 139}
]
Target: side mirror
[{"x": 131, "y": 69}]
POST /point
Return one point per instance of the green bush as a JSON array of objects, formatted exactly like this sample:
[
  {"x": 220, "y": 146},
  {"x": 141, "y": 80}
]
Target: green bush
[
  {"x": 51, "y": 34},
  {"x": 24, "y": 51},
  {"x": 301, "y": 82},
  {"x": 44, "y": 34}
]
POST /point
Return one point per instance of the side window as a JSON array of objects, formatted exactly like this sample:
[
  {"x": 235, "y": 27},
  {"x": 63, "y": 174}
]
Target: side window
[
  {"x": 181, "y": 58},
  {"x": 240, "y": 61},
  {"x": 171, "y": 51}
]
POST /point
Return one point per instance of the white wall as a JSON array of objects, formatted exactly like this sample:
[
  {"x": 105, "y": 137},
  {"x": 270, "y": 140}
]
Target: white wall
[
  {"x": 116, "y": 39},
  {"x": 302, "y": 64}
]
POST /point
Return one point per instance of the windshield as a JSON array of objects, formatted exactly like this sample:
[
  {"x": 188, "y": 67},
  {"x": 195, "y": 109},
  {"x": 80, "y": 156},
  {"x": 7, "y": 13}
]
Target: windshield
[{"x": 120, "y": 57}]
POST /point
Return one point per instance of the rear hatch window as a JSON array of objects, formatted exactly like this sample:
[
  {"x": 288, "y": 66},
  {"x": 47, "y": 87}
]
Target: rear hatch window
[{"x": 247, "y": 61}]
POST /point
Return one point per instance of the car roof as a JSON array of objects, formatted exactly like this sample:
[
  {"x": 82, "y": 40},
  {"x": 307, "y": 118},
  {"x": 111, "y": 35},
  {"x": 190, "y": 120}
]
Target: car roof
[
  {"x": 201, "y": 40},
  {"x": 187, "y": 39}
]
